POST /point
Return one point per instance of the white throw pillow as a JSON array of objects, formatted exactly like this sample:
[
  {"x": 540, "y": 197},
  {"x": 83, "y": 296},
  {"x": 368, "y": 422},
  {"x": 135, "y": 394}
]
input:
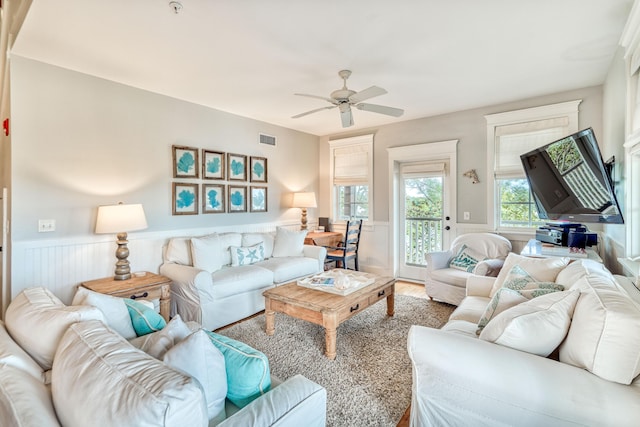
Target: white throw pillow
[
  {"x": 179, "y": 251},
  {"x": 541, "y": 269},
  {"x": 12, "y": 354},
  {"x": 158, "y": 343},
  {"x": 98, "y": 378},
  {"x": 267, "y": 239},
  {"x": 537, "y": 326},
  {"x": 197, "y": 357},
  {"x": 37, "y": 319},
  {"x": 603, "y": 337},
  {"x": 207, "y": 253},
  {"x": 114, "y": 309},
  {"x": 502, "y": 300},
  {"x": 288, "y": 243},
  {"x": 246, "y": 255}
]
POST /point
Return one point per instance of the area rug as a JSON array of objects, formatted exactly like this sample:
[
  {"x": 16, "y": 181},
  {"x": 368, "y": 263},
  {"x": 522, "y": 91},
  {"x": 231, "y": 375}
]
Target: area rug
[{"x": 369, "y": 382}]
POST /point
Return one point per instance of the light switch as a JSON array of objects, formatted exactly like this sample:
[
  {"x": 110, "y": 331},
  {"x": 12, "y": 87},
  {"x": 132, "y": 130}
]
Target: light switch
[
  {"x": 467, "y": 216},
  {"x": 46, "y": 225}
]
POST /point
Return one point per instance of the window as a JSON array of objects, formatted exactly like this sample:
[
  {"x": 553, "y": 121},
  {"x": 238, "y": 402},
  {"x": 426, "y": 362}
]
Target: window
[
  {"x": 352, "y": 177},
  {"x": 511, "y": 204}
]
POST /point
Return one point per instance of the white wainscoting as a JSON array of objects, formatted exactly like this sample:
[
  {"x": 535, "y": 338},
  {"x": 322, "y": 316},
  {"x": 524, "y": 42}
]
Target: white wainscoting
[{"x": 61, "y": 265}]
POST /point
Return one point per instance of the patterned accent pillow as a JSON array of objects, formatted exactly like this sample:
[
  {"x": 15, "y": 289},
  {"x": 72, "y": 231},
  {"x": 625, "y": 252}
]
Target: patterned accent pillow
[
  {"x": 466, "y": 259},
  {"x": 241, "y": 255},
  {"x": 518, "y": 287}
]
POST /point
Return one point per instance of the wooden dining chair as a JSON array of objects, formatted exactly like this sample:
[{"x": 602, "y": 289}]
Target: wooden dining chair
[{"x": 348, "y": 249}]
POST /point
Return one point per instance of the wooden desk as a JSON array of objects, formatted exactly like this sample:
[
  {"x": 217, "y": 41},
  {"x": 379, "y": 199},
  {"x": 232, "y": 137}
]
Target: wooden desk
[
  {"x": 323, "y": 238},
  {"x": 149, "y": 286}
]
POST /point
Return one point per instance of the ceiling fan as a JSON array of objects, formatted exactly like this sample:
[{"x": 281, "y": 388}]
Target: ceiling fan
[{"x": 345, "y": 98}]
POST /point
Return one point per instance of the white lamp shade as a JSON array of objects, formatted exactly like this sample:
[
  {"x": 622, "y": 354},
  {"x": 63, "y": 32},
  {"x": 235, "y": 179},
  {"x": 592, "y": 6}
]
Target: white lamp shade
[
  {"x": 120, "y": 218},
  {"x": 304, "y": 200}
]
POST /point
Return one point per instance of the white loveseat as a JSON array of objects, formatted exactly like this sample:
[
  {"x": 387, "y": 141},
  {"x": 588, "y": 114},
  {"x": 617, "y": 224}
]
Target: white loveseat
[
  {"x": 63, "y": 366},
  {"x": 214, "y": 287},
  {"x": 590, "y": 332}
]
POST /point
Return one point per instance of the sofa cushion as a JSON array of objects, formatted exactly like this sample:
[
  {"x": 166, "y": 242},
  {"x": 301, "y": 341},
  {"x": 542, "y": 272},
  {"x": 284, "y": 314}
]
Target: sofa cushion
[
  {"x": 236, "y": 280},
  {"x": 99, "y": 378},
  {"x": 114, "y": 309},
  {"x": 541, "y": 269},
  {"x": 13, "y": 355},
  {"x": 537, "y": 326},
  {"x": 248, "y": 374},
  {"x": 466, "y": 259},
  {"x": 603, "y": 337},
  {"x": 34, "y": 307},
  {"x": 144, "y": 319},
  {"x": 178, "y": 250},
  {"x": 288, "y": 242},
  {"x": 451, "y": 276},
  {"x": 290, "y": 268},
  {"x": 470, "y": 309},
  {"x": 246, "y": 255},
  {"x": 571, "y": 275},
  {"x": 207, "y": 253},
  {"x": 267, "y": 239},
  {"x": 462, "y": 327},
  {"x": 197, "y": 357},
  {"x": 24, "y": 400},
  {"x": 158, "y": 343}
]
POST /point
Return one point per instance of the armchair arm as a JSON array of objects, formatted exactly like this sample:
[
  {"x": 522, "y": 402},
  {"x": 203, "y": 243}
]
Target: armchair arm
[
  {"x": 315, "y": 252},
  {"x": 437, "y": 260},
  {"x": 489, "y": 267},
  {"x": 474, "y": 382},
  {"x": 480, "y": 286},
  {"x": 296, "y": 402},
  {"x": 190, "y": 287}
]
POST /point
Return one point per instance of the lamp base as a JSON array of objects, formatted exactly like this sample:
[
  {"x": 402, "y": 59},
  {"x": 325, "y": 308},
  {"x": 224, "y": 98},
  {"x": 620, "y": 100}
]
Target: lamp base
[
  {"x": 123, "y": 271},
  {"x": 303, "y": 220}
]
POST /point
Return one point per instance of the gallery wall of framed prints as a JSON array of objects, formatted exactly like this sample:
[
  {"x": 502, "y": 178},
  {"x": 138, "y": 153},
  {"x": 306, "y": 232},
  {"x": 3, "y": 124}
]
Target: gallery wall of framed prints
[{"x": 225, "y": 182}]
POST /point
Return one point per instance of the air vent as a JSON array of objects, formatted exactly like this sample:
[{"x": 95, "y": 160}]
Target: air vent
[{"x": 267, "y": 139}]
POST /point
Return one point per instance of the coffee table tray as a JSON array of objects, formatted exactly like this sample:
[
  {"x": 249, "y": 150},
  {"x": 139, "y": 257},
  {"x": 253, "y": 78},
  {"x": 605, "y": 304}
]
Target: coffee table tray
[{"x": 327, "y": 281}]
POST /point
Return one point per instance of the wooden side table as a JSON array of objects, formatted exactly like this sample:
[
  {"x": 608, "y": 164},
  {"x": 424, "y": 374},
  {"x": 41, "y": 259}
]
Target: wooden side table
[{"x": 149, "y": 286}]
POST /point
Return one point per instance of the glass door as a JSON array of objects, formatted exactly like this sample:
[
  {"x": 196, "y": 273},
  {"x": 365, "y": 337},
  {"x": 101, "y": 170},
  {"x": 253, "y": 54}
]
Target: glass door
[{"x": 424, "y": 219}]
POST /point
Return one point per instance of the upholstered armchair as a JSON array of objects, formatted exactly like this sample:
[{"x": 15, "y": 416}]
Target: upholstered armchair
[{"x": 482, "y": 254}]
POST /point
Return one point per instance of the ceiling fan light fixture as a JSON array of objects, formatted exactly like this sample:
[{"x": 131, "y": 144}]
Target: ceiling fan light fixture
[{"x": 175, "y": 6}]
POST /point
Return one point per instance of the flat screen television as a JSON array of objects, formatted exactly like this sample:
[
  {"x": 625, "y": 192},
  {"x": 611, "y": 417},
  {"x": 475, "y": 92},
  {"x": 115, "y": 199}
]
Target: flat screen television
[{"x": 569, "y": 181}]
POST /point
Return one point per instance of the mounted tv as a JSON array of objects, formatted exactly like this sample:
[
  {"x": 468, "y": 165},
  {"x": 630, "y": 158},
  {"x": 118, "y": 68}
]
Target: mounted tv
[{"x": 569, "y": 181}]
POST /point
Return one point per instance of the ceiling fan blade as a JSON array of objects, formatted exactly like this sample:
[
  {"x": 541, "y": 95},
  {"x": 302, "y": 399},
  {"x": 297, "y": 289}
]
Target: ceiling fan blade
[
  {"x": 366, "y": 94},
  {"x": 331, "y": 100},
  {"x": 313, "y": 111},
  {"x": 389, "y": 111},
  {"x": 345, "y": 115}
]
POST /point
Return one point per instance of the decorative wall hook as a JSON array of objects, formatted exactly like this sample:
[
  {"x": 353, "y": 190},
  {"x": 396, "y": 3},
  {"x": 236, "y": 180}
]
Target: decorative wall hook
[{"x": 472, "y": 175}]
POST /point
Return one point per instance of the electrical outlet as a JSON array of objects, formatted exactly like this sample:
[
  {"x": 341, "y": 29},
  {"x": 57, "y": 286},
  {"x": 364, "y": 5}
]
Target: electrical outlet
[
  {"x": 467, "y": 217},
  {"x": 46, "y": 225}
]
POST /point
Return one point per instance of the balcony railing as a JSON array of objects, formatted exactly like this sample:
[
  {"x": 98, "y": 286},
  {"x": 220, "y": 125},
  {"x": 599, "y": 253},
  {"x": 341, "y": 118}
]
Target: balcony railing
[{"x": 422, "y": 235}]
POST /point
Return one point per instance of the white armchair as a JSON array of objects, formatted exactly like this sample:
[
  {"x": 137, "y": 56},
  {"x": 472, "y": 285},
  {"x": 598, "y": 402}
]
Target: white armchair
[{"x": 447, "y": 284}]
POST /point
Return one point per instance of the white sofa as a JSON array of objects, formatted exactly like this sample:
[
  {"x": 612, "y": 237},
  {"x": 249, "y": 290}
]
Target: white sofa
[
  {"x": 211, "y": 289},
  {"x": 62, "y": 365},
  {"x": 560, "y": 359}
]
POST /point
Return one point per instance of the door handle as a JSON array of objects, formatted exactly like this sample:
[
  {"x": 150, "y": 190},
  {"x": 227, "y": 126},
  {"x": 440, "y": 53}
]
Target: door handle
[{"x": 447, "y": 228}]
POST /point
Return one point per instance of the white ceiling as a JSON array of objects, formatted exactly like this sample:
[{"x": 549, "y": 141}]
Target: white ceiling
[{"x": 249, "y": 57}]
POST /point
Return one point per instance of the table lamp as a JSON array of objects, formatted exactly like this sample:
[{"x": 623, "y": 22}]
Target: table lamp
[
  {"x": 304, "y": 200},
  {"x": 119, "y": 219}
]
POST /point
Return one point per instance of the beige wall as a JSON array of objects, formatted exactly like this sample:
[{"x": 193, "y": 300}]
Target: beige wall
[{"x": 80, "y": 142}]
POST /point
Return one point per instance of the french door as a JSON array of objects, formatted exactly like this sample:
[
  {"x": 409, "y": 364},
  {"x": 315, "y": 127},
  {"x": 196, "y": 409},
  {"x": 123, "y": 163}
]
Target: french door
[{"x": 424, "y": 220}]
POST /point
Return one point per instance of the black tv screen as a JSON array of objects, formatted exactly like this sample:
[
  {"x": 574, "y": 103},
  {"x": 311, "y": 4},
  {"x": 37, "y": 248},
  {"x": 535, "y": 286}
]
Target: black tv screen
[{"x": 569, "y": 181}]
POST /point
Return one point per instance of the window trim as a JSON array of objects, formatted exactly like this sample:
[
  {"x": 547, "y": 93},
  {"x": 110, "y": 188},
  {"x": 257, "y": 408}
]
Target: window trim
[
  {"x": 362, "y": 140},
  {"x": 567, "y": 109}
]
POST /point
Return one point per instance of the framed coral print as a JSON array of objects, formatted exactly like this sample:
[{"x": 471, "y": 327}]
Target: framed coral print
[
  {"x": 213, "y": 164},
  {"x": 258, "y": 169},
  {"x": 185, "y": 162},
  {"x": 237, "y": 198},
  {"x": 237, "y": 165},
  {"x": 185, "y": 199},
  {"x": 213, "y": 198},
  {"x": 258, "y": 199}
]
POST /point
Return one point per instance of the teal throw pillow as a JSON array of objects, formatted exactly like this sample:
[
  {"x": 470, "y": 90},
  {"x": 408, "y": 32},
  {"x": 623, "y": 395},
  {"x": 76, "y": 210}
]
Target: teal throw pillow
[
  {"x": 466, "y": 259},
  {"x": 248, "y": 374},
  {"x": 144, "y": 319},
  {"x": 246, "y": 255}
]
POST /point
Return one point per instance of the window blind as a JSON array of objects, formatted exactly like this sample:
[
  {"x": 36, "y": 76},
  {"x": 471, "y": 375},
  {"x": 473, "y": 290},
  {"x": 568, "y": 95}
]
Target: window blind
[{"x": 351, "y": 165}]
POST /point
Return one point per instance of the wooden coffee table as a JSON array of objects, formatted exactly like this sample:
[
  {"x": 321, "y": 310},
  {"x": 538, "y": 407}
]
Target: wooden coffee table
[{"x": 323, "y": 308}]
